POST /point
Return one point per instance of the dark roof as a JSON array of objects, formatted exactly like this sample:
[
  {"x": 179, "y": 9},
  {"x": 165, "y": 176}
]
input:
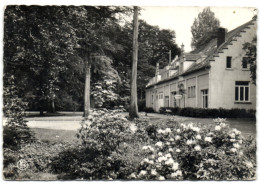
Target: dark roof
[
  {"x": 174, "y": 76},
  {"x": 192, "y": 57},
  {"x": 211, "y": 49}
]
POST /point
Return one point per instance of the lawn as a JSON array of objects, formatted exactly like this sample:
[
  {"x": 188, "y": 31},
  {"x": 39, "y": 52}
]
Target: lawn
[{"x": 63, "y": 128}]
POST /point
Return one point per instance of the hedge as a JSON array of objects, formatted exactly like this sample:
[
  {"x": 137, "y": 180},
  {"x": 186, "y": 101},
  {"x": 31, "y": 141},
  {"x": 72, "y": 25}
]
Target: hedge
[{"x": 208, "y": 113}]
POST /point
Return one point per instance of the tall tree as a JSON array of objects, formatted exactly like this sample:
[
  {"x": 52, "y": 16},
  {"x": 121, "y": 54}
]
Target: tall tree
[
  {"x": 133, "y": 110},
  {"x": 206, "y": 23}
]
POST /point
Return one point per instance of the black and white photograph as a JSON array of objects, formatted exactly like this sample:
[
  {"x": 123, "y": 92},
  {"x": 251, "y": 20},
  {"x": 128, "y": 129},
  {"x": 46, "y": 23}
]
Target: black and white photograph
[{"x": 129, "y": 92}]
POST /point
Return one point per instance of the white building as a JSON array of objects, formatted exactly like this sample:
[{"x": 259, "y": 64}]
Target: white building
[{"x": 213, "y": 76}]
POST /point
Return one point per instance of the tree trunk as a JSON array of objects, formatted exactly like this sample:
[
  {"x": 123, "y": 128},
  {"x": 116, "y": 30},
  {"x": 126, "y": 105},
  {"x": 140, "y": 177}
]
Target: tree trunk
[
  {"x": 133, "y": 110},
  {"x": 87, "y": 90},
  {"x": 53, "y": 106}
]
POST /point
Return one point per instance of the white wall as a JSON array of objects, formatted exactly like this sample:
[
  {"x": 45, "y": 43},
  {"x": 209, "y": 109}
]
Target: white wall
[{"x": 222, "y": 83}]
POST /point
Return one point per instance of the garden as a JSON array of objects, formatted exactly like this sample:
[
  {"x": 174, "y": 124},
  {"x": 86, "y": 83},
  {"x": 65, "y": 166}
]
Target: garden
[
  {"x": 111, "y": 147},
  {"x": 82, "y": 58}
]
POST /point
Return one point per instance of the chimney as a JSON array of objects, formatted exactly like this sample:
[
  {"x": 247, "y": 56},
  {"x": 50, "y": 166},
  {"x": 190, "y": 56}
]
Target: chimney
[
  {"x": 221, "y": 36},
  {"x": 182, "y": 48},
  {"x": 157, "y": 69}
]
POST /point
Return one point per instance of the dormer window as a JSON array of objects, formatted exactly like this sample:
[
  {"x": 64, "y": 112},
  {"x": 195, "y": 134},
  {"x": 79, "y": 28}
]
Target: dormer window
[{"x": 229, "y": 62}]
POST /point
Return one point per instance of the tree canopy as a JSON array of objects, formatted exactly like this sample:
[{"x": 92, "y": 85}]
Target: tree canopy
[
  {"x": 204, "y": 27},
  {"x": 46, "y": 49}
]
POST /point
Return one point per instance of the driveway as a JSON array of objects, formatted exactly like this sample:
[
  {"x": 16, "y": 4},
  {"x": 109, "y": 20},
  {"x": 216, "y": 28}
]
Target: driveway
[{"x": 71, "y": 121}]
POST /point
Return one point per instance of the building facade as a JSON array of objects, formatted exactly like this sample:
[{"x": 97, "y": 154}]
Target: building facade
[{"x": 216, "y": 75}]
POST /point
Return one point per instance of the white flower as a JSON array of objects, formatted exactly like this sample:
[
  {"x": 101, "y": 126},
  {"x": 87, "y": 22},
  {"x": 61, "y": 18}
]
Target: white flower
[
  {"x": 168, "y": 130},
  {"x": 178, "y": 150},
  {"x": 175, "y": 166},
  {"x": 196, "y": 129},
  {"x": 179, "y": 173},
  {"x": 189, "y": 142},
  {"x": 160, "y": 159},
  {"x": 223, "y": 125},
  {"x": 217, "y": 128},
  {"x": 169, "y": 162},
  {"x": 178, "y": 130},
  {"x": 142, "y": 172},
  {"x": 197, "y": 148},
  {"x": 146, "y": 160},
  {"x": 249, "y": 164},
  {"x": 190, "y": 126},
  {"x": 240, "y": 141},
  {"x": 233, "y": 150},
  {"x": 133, "y": 175},
  {"x": 174, "y": 175},
  {"x": 153, "y": 172},
  {"x": 198, "y": 137},
  {"x": 208, "y": 139},
  {"x": 232, "y": 140},
  {"x": 151, "y": 162},
  {"x": 160, "y": 154},
  {"x": 233, "y": 135},
  {"x": 161, "y": 178},
  {"x": 168, "y": 155},
  {"x": 170, "y": 150},
  {"x": 236, "y": 145},
  {"x": 237, "y": 132},
  {"x": 171, "y": 139},
  {"x": 159, "y": 144},
  {"x": 145, "y": 147},
  {"x": 160, "y": 131},
  {"x": 177, "y": 137}
]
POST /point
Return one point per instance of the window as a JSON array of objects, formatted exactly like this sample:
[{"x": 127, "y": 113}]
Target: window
[
  {"x": 191, "y": 92},
  {"x": 228, "y": 63},
  {"x": 152, "y": 99},
  {"x": 204, "y": 98},
  {"x": 174, "y": 100},
  {"x": 244, "y": 62},
  {"x": 161, "y": 95},
  {"x": 242, "y": 91},
  {"x": 166, "y": 101}
]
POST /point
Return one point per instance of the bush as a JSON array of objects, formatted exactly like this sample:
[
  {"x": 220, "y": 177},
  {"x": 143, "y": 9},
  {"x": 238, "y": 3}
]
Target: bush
[
  {"x": 104, "y": 136},
  {"x": 148, "y": 110},
  {"x": 141, "y": 105},
  {"x": 191, "y": 152},
  {"x": 208, "y": 113}
]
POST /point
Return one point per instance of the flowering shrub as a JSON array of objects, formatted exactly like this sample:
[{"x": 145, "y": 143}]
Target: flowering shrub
[
  {"x": 199, "y": 152},
  {"x": 105, "y": 139}
]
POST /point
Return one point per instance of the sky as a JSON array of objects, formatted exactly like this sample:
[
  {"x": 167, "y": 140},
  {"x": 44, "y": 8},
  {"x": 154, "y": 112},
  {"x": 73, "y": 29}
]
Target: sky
[{"x": 180, "y": 19}]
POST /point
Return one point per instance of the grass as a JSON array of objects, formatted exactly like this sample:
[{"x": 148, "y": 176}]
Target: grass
[
  {"x": 246, "y": 126},
  {"x": 55, "y": 136}
]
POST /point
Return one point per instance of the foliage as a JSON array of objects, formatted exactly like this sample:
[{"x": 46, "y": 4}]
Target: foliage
[
  {"x": 196, "y": 153},
  {"x": 204, "y": 27},
  {"x": 42, "y": 49},
  {"x": 154, "y": 46},
  {"x": 148, "y": 109},
  {"x": 251, "y": 53},
  {"x": 16, "y": 131},
  {"x": 112, "y": 147},
  {"x": 105, "y": 136},
  {"x": 208, "y": 113},
  {"x": 32, "y": 158},
  {"x": 104, "y": 91}
]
